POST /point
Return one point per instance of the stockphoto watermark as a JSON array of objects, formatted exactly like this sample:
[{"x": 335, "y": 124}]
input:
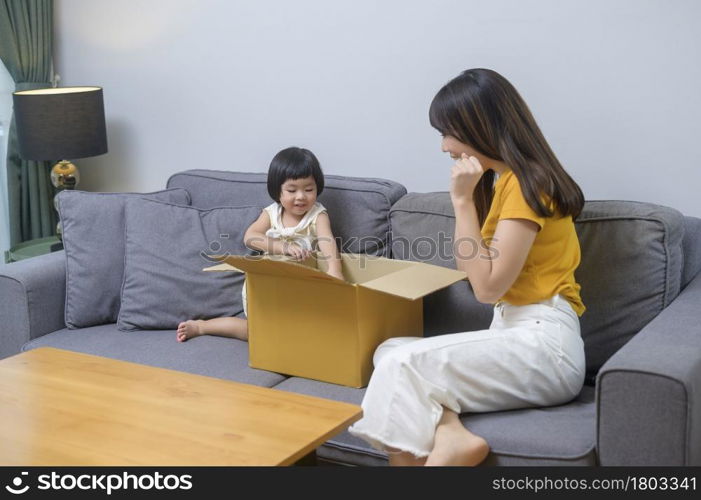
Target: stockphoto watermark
[
  {"x": 25, "y": 482},
  {"x": 442, "y": 248}
]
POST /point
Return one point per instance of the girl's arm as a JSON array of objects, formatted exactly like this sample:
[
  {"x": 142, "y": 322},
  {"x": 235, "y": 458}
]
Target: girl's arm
[
  {"x": 327, "y": 245},
  {"x": 491, "y": 269},
  {"x": 256, "y": 239}
]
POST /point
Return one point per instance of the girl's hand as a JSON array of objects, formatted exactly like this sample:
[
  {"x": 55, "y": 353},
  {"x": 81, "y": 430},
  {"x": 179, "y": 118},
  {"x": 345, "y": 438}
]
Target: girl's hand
[
  {"x": 336, "y": 274},
  {"x": 295, "y": 251},
  {"x": 465, "y": 175}
]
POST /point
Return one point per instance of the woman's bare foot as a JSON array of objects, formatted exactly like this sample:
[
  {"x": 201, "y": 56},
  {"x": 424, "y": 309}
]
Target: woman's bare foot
[
  {"x": 404, "y": 459},
  {"x": 188, "y": 329},
  {"x": 455, "y": 445}
]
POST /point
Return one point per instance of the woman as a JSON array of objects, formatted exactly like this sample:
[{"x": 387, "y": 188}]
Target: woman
[{"x": 532, "y": 354}]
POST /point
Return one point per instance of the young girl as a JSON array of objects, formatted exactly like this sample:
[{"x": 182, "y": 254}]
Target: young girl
[
  {"x": 532, "y": 354},
  {"x": 294, "y": 225}
]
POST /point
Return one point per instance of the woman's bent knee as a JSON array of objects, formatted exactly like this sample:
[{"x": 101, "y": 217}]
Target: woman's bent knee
[{"x": 389, "y": 346}]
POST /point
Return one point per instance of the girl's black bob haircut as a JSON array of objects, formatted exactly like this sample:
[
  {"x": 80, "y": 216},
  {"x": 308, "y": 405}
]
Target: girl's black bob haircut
[{"x": 293, "y": 163}]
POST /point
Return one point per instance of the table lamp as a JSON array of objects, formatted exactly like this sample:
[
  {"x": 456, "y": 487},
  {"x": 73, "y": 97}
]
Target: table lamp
[{"x": 60, "y": 124}]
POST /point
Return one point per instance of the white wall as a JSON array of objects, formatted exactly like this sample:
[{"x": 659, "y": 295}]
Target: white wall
[{"x": 225, "y": 84}]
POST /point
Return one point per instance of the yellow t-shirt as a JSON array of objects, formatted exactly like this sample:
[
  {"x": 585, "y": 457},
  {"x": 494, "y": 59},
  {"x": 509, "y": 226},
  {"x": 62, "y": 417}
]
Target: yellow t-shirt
[{"x": 551, "y": 262}]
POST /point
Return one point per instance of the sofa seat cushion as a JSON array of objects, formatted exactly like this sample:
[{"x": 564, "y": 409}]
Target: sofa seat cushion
[
  {"x": 358, "y": 208},
  {"x": 207, "y": 355},
  {"x": 555, "y": 435},
  {"x": 558, "y": 435}
]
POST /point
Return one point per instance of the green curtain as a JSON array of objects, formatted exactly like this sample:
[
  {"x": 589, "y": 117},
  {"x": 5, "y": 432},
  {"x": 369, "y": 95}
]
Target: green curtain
[{"x": 26, "y": 46}]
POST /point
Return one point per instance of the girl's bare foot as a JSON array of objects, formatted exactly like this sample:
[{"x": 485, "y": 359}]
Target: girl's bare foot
[
  {"x": 455, "y": 445},
  {"x": 188, "y": 329}
]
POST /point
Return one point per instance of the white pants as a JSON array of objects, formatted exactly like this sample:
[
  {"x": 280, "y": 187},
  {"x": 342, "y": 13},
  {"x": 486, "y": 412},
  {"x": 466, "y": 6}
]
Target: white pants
[{"x": 530, "y": 356}]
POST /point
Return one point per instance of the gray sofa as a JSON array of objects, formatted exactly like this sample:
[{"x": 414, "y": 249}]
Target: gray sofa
[{"x": 640, "y": 280}]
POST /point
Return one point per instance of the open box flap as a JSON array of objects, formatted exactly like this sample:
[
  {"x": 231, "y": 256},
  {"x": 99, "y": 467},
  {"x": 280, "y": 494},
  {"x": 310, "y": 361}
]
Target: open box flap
[
  {"x": 359, "y": 268},
  {"x": 222, "y": 267},
  {"x": 272, "y": 265},
  {"x": 415, "y": 281}
]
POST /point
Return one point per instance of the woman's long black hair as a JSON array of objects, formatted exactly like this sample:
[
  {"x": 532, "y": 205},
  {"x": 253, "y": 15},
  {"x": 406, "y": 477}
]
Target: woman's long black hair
[{"x": 482, "y": 109}]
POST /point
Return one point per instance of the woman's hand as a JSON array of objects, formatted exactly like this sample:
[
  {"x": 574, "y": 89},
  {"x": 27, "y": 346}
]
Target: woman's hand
[
  {"x": 465, "y": 175},
  {"x": 295, "y": 251}
]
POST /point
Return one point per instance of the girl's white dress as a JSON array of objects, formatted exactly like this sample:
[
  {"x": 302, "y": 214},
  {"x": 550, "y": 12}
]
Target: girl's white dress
[{"x": 303, "y": 234}]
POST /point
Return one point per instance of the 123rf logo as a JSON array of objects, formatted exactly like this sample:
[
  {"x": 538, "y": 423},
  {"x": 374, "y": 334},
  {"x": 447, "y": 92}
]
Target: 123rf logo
[{"x": 101, "y": 482}]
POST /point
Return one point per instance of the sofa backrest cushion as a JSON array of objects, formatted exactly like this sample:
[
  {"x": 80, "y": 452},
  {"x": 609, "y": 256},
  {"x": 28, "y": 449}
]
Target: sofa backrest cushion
[
  {"x": 358, "y": 208},
  {"x": 93, "y": 237},
  {"x": 167, "y": 246},
  {"x": 692, "y": 249},
  {"x": 422, "y": 230},
  {"x": 631, "y": 267}
]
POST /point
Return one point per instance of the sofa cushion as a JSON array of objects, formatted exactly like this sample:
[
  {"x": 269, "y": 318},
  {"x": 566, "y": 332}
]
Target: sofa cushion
[
  {"x": 631, "y": 267},
  {"x": 206, "y": 355},
  {"x": 557, "y": 435},
  {"x": 167, "y": 246},
  {"x": 93, "y": 237},
  {"x": 358, "y": 208},
  {"x": 692, "y": 249}
]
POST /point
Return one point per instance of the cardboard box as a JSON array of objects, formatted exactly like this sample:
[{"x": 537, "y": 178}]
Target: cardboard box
[{"x": 303, "y": 322}]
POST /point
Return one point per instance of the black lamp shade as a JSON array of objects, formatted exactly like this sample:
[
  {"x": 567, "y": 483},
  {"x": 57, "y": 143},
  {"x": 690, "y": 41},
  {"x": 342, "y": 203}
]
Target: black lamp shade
[{"x": 60, "y": 123}]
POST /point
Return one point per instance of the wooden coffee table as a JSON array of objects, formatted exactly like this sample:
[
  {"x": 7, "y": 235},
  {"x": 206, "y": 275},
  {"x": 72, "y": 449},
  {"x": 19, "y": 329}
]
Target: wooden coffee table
[{"x": 64, "y": 408}]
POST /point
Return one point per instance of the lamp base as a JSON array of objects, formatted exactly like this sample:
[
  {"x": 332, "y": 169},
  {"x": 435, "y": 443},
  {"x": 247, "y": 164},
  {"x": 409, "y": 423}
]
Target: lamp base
[{"x": 65, "y": 175}]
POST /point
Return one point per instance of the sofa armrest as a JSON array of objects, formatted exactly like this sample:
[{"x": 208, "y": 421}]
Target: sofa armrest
[
  {"x": 649, "y": 392},
  {"x": 33, "y": 295}
]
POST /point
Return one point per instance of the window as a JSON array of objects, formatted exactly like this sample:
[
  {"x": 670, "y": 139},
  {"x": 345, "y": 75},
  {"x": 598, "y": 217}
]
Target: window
[{"x": 7, "y": 86}]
